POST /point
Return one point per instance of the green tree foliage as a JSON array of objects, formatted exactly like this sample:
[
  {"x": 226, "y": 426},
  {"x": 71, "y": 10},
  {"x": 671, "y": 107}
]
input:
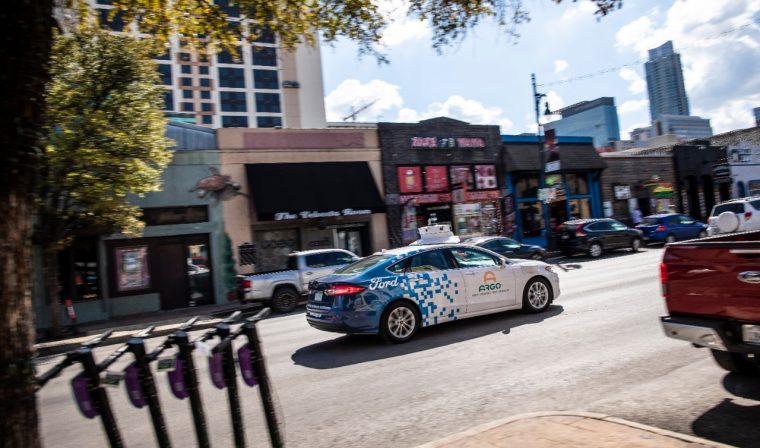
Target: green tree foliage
[{"x": 105, "y": 140}]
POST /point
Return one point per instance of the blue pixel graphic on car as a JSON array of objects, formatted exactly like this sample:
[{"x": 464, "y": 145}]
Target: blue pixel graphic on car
[{"x": 434, "y": 294}]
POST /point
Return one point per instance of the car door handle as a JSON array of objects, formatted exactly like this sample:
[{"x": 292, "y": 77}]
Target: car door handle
[
  {"x": 752, "y": 277},
  {"x": 469, "y": 273}
]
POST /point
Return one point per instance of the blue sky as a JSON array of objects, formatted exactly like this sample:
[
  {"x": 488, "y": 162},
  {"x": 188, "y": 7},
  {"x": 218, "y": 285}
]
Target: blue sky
[{"x": 485, "y": 78}]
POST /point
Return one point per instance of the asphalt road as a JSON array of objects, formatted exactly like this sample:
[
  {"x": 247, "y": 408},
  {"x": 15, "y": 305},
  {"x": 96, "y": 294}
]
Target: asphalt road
[{"x": 599, "y": 348}]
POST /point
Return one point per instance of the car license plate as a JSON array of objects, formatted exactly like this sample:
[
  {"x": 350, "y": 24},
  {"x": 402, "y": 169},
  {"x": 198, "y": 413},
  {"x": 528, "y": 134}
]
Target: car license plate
[
  {"x": 751, "y": 334},
  {"x": 317, "y": 315},
  {"x": 318, "y": 296}
]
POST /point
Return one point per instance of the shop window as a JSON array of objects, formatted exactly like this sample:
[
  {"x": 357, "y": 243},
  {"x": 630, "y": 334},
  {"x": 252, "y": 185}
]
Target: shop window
[
  {"x": 264, "y": 56},
  {"x": 263, "y": 35},
  {"x": 436, "y": 178},
  {"x": 187, "y": 107},
  {"x": 187, "y": 69},
  {"x": 461, "y": 176},
  {"x": 485, "y": 177},
  {"x": 526, "y": 186},
  {"x": 580, "y": 208},
  {"x": 187, "y": 94},
  {"x": 205, "y": 82},
  {"x": 754, "y": 187},
  {"x": 225, "y": 57},
  {"x": 186, "y": 82},
  {"x": 78, "y": 269},
  {"x": 207, "y": 107},
  {"x": 577, "y": 183},
  {"x": 207, "y": 119},
  {"x": 131, "y": 266},
  {"x": 198, "y": 275},
  {"x": 168, "y": 100},
  {"x": 160, "y": 216},
  {"x": 532, "y": 219},
  {"x": 268, "y": 102},
  {"x": 231, "y": 77},
  {"x": 205, "y": 95},
  {"x": 265, "y": 79},
  {"x": 203, "y": 70},
  {"x": 467, "y": 220}
]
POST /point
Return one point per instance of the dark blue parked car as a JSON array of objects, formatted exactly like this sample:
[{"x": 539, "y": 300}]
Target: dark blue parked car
[{"x": 671, "y": 227}]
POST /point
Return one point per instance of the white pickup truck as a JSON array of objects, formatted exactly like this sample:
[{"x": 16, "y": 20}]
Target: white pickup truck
[{"x": 284, "y": 289}]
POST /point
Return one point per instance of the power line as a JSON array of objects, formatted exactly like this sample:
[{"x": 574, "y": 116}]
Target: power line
[{"x": 638, "y": 62}]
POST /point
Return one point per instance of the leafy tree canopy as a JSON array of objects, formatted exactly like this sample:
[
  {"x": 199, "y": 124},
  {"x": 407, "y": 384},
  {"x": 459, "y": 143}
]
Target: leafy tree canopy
[
  {"x": 299, "y": 21},
  {"x": 105, "y": 135}
]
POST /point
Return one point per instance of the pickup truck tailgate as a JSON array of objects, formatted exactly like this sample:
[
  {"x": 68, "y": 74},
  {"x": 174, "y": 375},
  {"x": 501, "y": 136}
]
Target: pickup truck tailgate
[{"x": 714, "y": 277}]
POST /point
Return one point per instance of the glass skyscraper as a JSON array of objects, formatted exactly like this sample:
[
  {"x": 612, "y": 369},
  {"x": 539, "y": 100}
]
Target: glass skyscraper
[{"x": 667, "y": 95}]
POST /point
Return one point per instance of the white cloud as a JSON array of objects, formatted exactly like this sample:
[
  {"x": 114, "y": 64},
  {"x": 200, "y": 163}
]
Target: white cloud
[
  {"x": 351, "y": 95},
  {"x": 637, "y": 84},
  {"x": 459, "y": 108},
  {"x": 633, "y": 106},
  {"x": 719, "y": 43},
  {"x": 401, "y": 28},
  {"x": 560, "y": 66},
  {"x": 732, "y": 114},
  {"x": 579, "y": 10}
]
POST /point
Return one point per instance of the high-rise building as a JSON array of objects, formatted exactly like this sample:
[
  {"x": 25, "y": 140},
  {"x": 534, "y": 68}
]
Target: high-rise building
[
  {"x": 756, "y": 111},
  {"x": 265, "y": 87},
  {"x": 667, "y": 94},
  {"x": 597, "y": 119},
  {"x": 683, "y": 127}
]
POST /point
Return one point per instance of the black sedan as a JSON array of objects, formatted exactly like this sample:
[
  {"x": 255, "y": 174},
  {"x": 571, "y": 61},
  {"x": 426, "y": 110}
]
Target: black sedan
[{"x": 508, "y": 247}]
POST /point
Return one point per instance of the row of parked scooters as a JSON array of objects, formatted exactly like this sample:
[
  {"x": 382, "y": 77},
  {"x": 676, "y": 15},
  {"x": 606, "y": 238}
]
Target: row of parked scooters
[{"x": 92, "y": 399}]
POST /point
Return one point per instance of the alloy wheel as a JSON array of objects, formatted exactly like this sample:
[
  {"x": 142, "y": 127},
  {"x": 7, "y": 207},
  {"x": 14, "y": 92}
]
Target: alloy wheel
[
  {"x": 595, "y": 250},
  {"x": 401, "y": 322},
  {"x": 538, "y": 295}
]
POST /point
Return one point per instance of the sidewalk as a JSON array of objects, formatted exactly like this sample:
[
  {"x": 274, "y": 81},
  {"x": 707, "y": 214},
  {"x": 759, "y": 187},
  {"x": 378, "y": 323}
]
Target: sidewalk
[
  {"x": 165, "y": 322},
  {"x": 567, "y": 430}
]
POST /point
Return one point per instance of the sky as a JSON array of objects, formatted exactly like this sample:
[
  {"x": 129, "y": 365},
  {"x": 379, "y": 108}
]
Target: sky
[{"x": 485, "y": 78}]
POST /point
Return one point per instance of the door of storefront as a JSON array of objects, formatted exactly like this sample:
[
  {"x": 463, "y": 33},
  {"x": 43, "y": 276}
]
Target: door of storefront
[{"x": 183, "y": 271}]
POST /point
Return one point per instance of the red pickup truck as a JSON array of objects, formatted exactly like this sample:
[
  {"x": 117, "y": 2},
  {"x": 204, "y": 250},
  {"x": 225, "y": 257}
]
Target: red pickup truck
[{"x": 712, "y": 292}]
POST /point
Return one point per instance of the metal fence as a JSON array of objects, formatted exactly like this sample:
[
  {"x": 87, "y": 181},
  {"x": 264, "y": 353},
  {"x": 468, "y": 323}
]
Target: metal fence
[{"x": 138, "y": 378}]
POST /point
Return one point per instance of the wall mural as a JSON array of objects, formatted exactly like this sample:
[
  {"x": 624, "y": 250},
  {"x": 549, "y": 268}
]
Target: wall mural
[{"x": 218, "y": 186}]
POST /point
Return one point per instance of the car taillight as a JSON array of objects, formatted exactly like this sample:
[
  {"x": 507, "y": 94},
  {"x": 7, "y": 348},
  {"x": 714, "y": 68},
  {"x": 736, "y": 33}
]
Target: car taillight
[
  {"x": 343, "y": 290},
  {"x": 747, "y": 215},
  {"x": 579, "y": 232},
  {"x": 664, "y": 279},
  {"x": 660, "y": 229},
  {"x": 247, "y": 284}
]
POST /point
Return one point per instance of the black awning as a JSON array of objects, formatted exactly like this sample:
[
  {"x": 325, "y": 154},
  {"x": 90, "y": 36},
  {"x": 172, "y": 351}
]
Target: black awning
[{"x": 282, "y": 191}]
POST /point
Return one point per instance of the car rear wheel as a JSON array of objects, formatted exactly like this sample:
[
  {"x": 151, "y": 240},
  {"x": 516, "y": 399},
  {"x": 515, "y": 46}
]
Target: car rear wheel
[
  {"x": 670, "y": 239},
  {"x": 537, "y": 295},
  {"x": 735, "y": 362},
  {"x": 595, "y": 250},
  {"x": 399, "y": 323},
  {"x": 635, "y": 244},
  {"x": 702, "y": 234},
  {"x": 285, "y": 300}
]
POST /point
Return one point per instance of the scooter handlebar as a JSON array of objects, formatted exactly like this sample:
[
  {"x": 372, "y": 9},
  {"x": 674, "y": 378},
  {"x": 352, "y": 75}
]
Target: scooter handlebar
[
  {"x": 263, "y": 314},
  {"x": 189, "y": 324},
  {"x": 55, "y": 371},
  {"x": 97, "y": 339},
  {"x": 232, "y": 318}
]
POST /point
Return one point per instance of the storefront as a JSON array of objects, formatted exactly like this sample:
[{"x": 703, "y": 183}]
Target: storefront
[
  {"x": 302, "y": 189},
  {"x": 571, "y": 186},
  {"x": 698, "y": 188},
  {"x": 441, "y": 170}
]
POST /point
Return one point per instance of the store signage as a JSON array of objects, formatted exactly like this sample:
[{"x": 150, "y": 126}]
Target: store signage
[
  {"x": 721, "y": 173},
  {"x": 485, "y": 177},
  {"x": 431, "y": 198},
  {"x": 447, "y": 142},
  {"x": 552, "y": 166},
  {"x": 622, "y": 191},
  {"x": 481, "y": 195},
  {"x": 436, "y": 178},
  {"x": 409, "y": 179},
  {"x": 285, "y": 216}
]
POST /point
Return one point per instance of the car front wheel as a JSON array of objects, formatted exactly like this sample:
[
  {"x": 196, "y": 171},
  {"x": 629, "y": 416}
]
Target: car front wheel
[
  {"x": 595, "y": 250},
  {"x": 702, "y": 234},
  {"x": 399, "y": 322},
  {"x": 537, "y": 295},
  {"x": 635, "y": 244},
  {"x": 670, "y": 239}
]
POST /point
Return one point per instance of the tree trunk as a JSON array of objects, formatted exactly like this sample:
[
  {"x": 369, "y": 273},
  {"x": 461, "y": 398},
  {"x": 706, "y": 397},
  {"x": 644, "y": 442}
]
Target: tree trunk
[
  {"x": 25, "y": 40},
  {"x": 52, "y": 290}
]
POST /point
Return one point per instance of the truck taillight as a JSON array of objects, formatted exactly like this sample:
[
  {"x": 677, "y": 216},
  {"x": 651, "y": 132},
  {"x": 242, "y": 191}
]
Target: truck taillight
[
  {"x": 664, "y": 279},
  {"x": 747, "y": 215},
  {"x": 343, "y": 290},
  {"x": 660, "y": 229},
  {"x": 247, "y": 284}
]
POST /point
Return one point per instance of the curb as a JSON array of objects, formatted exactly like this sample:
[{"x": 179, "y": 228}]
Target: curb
[{"x": 461, "y": 436}]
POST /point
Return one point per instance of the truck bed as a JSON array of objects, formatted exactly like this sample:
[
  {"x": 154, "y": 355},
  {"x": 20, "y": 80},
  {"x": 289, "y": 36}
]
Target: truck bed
[{"x": 714, "y": 277}]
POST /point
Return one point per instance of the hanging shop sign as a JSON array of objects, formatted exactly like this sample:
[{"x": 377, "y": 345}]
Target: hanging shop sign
[
  {"x": 552, "y": 166},
  {"x": 447, "y": 142},
  {"x": 285, "y": 216},
  {"x": 622, "y": 191}
]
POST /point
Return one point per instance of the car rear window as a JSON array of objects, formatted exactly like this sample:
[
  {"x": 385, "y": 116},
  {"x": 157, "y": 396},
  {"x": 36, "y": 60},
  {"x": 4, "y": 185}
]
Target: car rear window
[
  {"x": 756, "y": 204},
  {"x": 567, "y": 227},
  {"x": 650, "y": 221},
  {"x": 734, "y": 207},
  {"x": 362, "y": 265}
]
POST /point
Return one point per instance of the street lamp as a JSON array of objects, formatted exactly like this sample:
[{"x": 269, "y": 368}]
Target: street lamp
[{"x": 541, "y": 176}]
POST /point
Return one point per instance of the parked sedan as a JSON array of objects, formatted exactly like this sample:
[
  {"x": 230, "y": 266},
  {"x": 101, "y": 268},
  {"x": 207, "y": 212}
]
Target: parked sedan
[
  {"x": 595, "y": 236},
  {"x": 394, "y": 293},
  {"x": 508, "y": 247},
  {"x": 671, "y": 227}
]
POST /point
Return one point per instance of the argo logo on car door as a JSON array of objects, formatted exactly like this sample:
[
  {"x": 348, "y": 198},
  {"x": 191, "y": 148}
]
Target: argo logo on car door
[{"x": 489, "y": 283}]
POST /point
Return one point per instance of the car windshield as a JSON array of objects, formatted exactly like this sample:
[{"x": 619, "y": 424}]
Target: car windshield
[
  {"x": 650, "y": 221},
  {"x": 362, "y": 265}
]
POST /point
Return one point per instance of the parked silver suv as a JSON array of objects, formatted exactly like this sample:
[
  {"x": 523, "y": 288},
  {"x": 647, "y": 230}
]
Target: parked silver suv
[{"x": 736, "y": 215}]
